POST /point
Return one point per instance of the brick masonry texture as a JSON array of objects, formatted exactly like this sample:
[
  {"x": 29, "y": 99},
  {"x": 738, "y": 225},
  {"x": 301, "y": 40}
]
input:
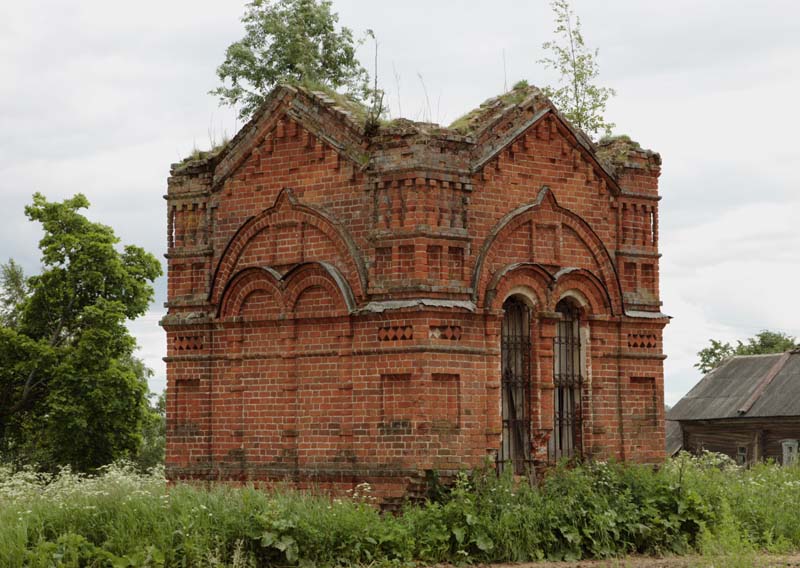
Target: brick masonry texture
[{"x": 335, "y": 300}]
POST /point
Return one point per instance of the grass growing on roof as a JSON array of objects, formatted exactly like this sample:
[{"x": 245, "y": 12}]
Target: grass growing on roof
[{"x": 518, "y": 93}]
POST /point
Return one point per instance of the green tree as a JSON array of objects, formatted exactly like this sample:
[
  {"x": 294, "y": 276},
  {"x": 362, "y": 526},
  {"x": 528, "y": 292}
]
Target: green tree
[
  {"x": 712, "y": 356},
  {"x": 13, "y": 289},
  {"x": 154, "y": 434},
  {"x": 762, "y": 343},
  {"x": 288, "y": 41},
  {"x": 577, "y": 95},
  {"x": 71, "y": 391}
]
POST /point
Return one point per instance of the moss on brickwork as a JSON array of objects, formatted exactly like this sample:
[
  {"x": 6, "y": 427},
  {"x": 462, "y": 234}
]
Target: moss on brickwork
[
  {"x": 477, "y": 117},
  {"x": 359, "y": 115},
  {"x": 617, "y": 150},
  {"x": 198, "y": 155},
  {"x": 357, "y": 111}
]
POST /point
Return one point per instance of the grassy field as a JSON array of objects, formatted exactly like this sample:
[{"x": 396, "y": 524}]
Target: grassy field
[{"x": 705, "y": 506}]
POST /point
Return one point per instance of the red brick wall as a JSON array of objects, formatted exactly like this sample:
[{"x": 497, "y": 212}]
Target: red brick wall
[{"x": 335, "y": 307}]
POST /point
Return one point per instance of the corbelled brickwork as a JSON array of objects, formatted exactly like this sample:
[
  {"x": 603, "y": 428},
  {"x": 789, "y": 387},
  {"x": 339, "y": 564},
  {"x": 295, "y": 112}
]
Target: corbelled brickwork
[{"x": 336, "y": 302}]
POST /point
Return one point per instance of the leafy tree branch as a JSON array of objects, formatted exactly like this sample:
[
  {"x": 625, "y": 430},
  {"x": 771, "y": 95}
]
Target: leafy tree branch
[
  {"x": 576, "y": 95},
  {"x": 288, "y": 41},
  {"x": 762, "y": 343}
]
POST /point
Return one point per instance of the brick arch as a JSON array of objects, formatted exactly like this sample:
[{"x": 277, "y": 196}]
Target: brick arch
[
  {"x": 286, "y": 289},
  {"x": 317, "y": 274},
  {"x": 286, "y": 210},
  {"x": 533, "y": 278},
  {"x": 584, "y": 286},
  {"x": 244, "y": 284},
  {"x": 545, "y": 205}
]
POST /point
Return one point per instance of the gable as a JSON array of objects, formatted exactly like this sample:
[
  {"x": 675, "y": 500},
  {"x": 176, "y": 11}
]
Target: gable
[
  {"x": 289, "y": 114},
  {"x": 545, "y": 129},
  {"x": 542, "y": 156}
]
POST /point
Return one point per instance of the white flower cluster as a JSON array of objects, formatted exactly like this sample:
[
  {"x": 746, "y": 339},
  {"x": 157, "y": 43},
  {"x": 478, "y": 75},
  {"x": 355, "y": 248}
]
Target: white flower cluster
[
  {"x": 362, "y": 493},
  {"x": 23, "y": 489}
]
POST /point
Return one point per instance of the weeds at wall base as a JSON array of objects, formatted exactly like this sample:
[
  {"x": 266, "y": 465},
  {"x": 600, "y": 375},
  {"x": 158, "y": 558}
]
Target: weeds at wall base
[{"x": 122, "y": 518}]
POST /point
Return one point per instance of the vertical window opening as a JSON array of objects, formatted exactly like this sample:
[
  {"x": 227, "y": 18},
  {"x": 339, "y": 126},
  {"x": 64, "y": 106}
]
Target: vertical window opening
[
  {"x": 790, "y": 448},
  {"x": 568, "y": 380},
  {"x": 652, "y": 227},
  {"x": 741, "y": 455},
  {"x": 171, "y": 227},
  {"x": 515, "y": 448}
]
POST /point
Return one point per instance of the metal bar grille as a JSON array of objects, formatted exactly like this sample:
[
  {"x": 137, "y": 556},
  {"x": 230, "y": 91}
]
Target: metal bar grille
[
  {"x": 515, "y": 449},
  {"x": 568, "y": 380}
]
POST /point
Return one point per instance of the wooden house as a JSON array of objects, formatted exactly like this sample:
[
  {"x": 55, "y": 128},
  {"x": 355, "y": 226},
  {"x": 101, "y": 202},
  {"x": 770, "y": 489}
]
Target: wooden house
[{"x": 747, "y": 408}]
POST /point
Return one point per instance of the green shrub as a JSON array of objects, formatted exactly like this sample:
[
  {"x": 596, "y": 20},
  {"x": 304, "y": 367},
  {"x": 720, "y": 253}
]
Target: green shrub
[{"x": 122, "y": 518}]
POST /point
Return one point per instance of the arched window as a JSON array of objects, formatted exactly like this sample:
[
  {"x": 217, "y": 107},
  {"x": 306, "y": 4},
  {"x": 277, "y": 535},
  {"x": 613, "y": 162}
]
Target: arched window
[
  {"x": 515, "y": 449},
  {"x": 568, "y": 379}
]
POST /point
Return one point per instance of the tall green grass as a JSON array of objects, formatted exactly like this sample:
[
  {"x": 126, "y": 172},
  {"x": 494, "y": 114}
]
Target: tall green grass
[{"x": 123, "y": 518}]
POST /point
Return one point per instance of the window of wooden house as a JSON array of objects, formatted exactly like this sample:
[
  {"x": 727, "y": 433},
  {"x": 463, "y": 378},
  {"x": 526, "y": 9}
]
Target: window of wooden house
[{"x": 790, "y": 448}]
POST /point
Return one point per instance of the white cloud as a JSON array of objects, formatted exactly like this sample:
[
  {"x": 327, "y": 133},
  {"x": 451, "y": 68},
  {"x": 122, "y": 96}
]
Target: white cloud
[
  {"x": 728, "y": 277},
  {"x": 100, "y": 97}
]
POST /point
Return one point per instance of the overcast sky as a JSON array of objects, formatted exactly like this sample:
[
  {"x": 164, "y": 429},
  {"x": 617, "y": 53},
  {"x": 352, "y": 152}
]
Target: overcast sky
[{"x": 100, "y": 97}]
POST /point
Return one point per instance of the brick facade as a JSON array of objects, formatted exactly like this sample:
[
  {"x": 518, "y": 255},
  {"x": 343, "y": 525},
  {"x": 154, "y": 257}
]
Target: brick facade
[{"x": 336, "y": 301}]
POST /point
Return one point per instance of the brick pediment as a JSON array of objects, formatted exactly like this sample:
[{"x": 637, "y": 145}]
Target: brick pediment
[
  {"x": 545, "y": 126},
  {"x": 293, "y": 112}
]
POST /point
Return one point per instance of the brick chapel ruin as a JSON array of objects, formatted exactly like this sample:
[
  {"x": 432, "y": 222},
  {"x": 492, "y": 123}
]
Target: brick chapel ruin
[{"x": 347, "y": 308}]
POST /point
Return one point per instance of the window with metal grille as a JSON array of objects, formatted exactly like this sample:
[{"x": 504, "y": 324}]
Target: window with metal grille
[
  {"x": 568, "y": 379},
  {"x": 515, "y": 448}
]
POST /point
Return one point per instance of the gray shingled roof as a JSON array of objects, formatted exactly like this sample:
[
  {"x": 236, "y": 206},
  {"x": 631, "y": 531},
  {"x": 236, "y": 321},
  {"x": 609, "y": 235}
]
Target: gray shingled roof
[{"x": 752, "y": 386}]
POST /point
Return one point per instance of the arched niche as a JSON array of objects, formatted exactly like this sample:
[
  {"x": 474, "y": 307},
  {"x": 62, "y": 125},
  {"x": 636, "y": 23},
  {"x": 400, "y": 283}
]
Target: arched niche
[
  {"x": 325, "y": 282},
  {"x": 287, "y": 290},
  {"x": 290, "y": 220},
  {"x": 584, "y": 289},
  {"x": 500, "y": 248},
  {"x": 544, "y": 290},
  {"x": 249, "y": 282},
  {"x": 528, "y": 280}
]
